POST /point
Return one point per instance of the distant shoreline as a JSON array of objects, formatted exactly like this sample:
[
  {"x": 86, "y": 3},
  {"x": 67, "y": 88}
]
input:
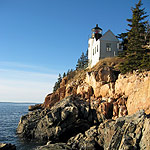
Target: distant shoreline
[{"x": 20, "y": 102}]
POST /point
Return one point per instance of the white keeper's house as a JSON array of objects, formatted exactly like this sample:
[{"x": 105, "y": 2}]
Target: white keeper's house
[{"x": 102, "y": 45}]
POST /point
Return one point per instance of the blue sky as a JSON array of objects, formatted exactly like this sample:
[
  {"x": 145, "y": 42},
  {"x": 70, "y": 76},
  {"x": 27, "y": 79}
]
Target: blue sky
[{"x": 41, "y": 38}]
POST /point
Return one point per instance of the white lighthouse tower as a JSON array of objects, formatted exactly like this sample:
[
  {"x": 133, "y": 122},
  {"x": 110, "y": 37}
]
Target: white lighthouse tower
[
  {"x": 94, "y": 46},
  {"x": 101, "y": 46}
]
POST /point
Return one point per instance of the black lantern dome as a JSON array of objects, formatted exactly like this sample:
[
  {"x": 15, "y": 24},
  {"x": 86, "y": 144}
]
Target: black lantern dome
[{"x": 97, "y": 32}]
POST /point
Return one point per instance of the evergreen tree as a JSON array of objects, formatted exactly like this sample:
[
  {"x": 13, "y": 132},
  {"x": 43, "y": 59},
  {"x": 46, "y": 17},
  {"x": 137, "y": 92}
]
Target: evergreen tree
[
  {"x": 68, "y": 72},
  {"x": 71, "y": 70},
  {"x": 78, "y": 65},
  {"x": 82, "y": 62},
  {"x": 137, "y": 31},
  {"x": 64, "y": 75},
  {"x": 57, "y": 84},
  {"x": 59, "y": 78},
  {"x": 135, "y": 52},
  {"x": 82, "y": 58}
]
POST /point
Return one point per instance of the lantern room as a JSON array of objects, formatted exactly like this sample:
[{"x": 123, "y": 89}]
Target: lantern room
[{"x": 97, "y": 32}]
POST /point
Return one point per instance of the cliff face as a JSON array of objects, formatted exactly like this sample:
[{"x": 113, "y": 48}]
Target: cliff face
[
  {"x": 97, "y": 109},
  {"x": 111, "y": 92},
  {"x": 136, "y": 87}
]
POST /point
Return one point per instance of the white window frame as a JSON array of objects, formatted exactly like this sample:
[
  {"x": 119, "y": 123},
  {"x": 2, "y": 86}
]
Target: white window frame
[{"x": 108, "y": 47}]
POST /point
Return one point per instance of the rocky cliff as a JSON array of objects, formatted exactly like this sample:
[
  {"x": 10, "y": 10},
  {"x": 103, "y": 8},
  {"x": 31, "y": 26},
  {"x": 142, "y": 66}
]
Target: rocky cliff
[
  {"x": 107, "y": 89},
  {"x": 97, "y": 109},
  {"x": 72, "y": 124}
]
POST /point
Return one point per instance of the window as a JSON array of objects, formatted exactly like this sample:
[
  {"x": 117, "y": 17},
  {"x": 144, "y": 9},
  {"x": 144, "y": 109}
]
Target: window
[
  {"x": 108, "y": 47},
  {"x": 97, "y": 48},
  {"x": 93, "y": 51}
]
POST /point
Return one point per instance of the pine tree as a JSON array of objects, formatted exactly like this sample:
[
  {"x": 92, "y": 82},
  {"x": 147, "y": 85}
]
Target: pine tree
[
  {"x": 64, "y": 75},
  {"x": 78, "y": 65},
  {"x": 68, "y": 72},
  {"x": 135, "y": 52},
  {"x": 82, "y": 58},
  {"x": 82, "y": 62},
  {"x": 59, "y": 78},
  {"x": 137, "y": 31},
  {"x": 57, "y": 84}
]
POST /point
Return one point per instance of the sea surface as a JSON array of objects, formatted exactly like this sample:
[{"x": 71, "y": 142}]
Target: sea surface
[{"x": 10, "y": 114}]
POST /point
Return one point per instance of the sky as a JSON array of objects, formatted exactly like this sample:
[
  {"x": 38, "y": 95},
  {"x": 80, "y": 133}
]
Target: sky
[{"x": 41, "y": 38}]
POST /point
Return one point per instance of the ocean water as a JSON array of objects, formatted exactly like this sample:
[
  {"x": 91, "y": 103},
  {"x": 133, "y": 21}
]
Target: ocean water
[{"x": 10, "y": 114}]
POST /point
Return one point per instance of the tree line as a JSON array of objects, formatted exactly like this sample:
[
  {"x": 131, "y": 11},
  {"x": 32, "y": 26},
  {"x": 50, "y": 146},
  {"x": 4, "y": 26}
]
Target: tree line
[{"x": 82, "y": 63}]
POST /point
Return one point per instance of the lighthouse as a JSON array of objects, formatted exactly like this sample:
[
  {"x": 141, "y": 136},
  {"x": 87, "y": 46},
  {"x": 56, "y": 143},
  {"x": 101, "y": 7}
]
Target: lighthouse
[{"x": 101, "y": 45}]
